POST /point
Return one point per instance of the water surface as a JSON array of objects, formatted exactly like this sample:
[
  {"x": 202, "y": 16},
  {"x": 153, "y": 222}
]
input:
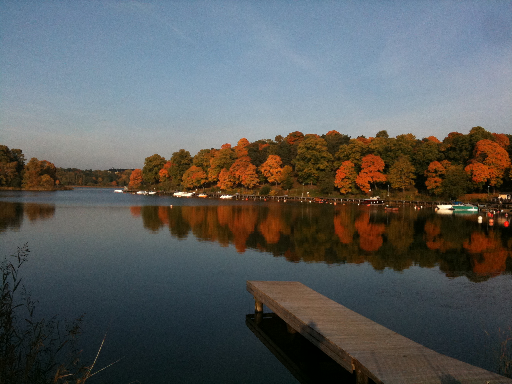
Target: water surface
[{"x": 166, "y": 276}]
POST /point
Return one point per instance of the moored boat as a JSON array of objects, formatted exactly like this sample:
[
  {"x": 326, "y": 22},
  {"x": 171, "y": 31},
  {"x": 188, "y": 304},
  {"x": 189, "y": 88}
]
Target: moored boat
[
  {"x": 373, "y": 201},
  {"x": 465, "y": 208},
  {"x": 226, "y": 197}
]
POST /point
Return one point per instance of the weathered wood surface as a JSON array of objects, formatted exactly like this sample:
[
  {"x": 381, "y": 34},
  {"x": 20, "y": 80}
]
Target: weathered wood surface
[{"x": 360, "y": 344}]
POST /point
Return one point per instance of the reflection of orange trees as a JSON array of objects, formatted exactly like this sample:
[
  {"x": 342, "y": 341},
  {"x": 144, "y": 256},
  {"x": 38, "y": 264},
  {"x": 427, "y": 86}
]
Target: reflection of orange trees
[
  {"x": 135, "y": 211},
  {"x": 489, "y": 256},
  {"x": 343, "y": 226},
  {"x": 243, "y": 222},
  {"x": 370, "y": 234},
  {"x": 39, "y": 211},
  {"x": 272, "y": 227},
  {"x": 433, "y": 240},
  {"x": 163, "y": 215}
]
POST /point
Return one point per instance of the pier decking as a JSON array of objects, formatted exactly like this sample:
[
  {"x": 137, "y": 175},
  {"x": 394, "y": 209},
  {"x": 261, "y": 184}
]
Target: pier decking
[{"x": 359, "y": 344}]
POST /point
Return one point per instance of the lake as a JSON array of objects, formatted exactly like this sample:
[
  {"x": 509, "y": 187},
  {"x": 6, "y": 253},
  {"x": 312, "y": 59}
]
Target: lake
[{"x": 165, "y": 277}]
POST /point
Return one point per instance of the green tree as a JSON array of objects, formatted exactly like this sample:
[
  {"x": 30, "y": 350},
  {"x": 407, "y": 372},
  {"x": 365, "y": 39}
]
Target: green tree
[
  {"x": 354, "y": 151},
  {"x": 401, "y": 173},
  {"x": 334, "y": 140},
  {"x": 312, "y": 159},
  {"x": 456, "y": 182},
  {"x": 152, "y": 166},
  {"x": 222, "y": 159},
  {"x": 180, "y": 162},
  {"x": 12, "y": 162}
]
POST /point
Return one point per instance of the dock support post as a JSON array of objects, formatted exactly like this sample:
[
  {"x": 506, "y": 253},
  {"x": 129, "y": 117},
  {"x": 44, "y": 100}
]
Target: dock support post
[
  {"x": 258, "y": 305},
  {"x": 361, "y": 377}
]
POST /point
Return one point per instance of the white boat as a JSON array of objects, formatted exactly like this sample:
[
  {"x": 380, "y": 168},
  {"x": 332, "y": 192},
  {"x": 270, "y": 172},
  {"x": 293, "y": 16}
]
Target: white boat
[
  {"x": 178, "y": 194},
  {"x": 142, "y": 192},
  {"x": 449, "y": 206},
  {"x": 226, "y": 197},
  {"x": 152, "y": 193},
  {"x": 203, "y": 195},
  {"x": 118, "y": 191},
  {"x": 187, "y": 194}
]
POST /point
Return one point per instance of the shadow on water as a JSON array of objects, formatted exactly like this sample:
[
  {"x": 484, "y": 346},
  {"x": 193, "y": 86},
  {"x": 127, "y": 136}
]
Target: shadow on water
[{"x": 304, "y": 360}]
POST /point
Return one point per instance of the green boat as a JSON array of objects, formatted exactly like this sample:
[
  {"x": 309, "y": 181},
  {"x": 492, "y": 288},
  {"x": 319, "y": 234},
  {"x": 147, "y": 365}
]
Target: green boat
[{"x": 464, "y": 208}]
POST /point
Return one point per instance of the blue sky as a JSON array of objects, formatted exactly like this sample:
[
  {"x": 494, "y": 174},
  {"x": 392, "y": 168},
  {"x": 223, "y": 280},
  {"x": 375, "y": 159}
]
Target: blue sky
[{"x": 100, "y": 84}]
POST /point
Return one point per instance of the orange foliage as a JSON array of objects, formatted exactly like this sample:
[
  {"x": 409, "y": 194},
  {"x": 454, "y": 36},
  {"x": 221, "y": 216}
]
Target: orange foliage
[
  {"x": 371, "y": 168},
  {"x": 494, "y": 157},
  {"x": 241, "y": 148},
  {"x": 434, "y": 139},
  {"x": 345, "y": 177},
  {"x": 333, "y": 132},
  {"x": 225, "y": 179},
  {"x": 225, "y": 146},
  {"x": 135, "y": 179},
  {"x": 370, "y": 235},
  {"x": 434, "y": 172},
  {"x": 271, "y": 168},
  {"x": 502, "y": 140},
  {"x": 294, "y": 138},
  {"x": 478, "y": 172}
]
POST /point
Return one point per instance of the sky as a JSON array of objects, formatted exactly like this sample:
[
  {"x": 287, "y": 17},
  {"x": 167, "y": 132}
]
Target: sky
[{"x": 105, "y": 84}]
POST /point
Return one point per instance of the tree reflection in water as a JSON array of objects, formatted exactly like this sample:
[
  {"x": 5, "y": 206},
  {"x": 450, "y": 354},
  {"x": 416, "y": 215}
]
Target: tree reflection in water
[
  {"x": 459, "y": 246},
  {"x": 12, "y": 214}
]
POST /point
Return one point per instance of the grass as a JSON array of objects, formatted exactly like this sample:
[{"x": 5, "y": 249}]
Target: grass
[{"x": 32, "y": 350}]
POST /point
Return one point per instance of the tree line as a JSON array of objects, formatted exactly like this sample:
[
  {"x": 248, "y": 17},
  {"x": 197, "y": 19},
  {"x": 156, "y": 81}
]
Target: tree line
[
  {"x": 336, "y": 163},
  {"x": 332, "y": 163}
]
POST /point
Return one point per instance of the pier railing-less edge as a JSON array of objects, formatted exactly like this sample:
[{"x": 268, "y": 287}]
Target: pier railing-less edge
[{"x": 360, "y": 345}]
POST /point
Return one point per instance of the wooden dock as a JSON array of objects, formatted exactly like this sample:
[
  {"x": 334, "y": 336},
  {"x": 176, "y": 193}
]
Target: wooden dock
[{"x": 360, "y": 345}]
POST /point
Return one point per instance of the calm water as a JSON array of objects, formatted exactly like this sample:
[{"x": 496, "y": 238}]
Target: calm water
[{"x": 165, "y": 277}]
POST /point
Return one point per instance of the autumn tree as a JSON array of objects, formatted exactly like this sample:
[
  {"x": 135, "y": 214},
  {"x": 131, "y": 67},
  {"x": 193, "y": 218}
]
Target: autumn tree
[
  {"x": 286, "y": 178},
  {"x": 243, "y": 172},
  {"x": 39, "y": 174},
  {"x": 202, "y": 159},
  {"x": 12, "y": 162},
  {"x": 371, "y": 172},
  {"x": 271, "y": 169},
  {"x": 225, "y": 179},
  {"x": 494, "y": 157},
  {"x": 194, "y": 177},
  {"x": 401, "y": 173},
  {"x": 345, "y": 177},
  {"x": 135, "y": 179},
  {"x": 222, "y": 159},
  {"x": 152, "y": 166},
  {"x": 435, "y": 175},
  {"x": 312, "y": 159}
]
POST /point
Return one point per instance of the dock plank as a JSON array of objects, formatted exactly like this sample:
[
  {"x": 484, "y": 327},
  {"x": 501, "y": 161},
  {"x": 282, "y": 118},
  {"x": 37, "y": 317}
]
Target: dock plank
[{"x": 358, "y": 343}]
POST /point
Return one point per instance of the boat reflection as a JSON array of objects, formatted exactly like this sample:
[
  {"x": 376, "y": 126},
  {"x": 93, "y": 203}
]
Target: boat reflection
[{"x": 306, "y": 363}]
